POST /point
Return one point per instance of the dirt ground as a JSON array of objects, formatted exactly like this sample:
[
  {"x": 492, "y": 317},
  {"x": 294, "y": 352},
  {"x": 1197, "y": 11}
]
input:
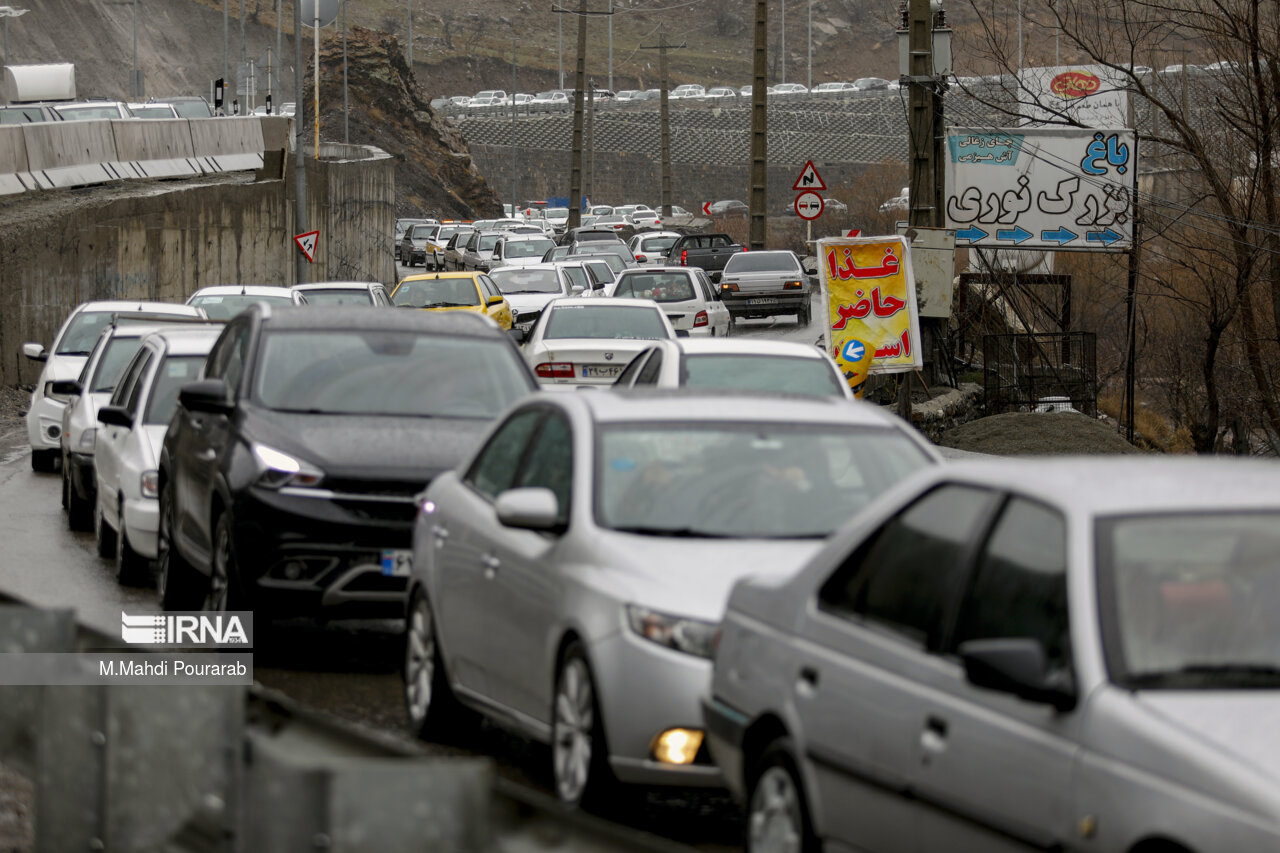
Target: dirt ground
[{"x": 1037, "y": 434}]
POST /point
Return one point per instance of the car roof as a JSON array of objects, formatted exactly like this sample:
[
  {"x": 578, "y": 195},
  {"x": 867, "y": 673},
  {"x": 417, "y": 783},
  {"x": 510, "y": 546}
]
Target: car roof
[
  {"x": 703, "y": 405},
  {"x": 243, "y": 289},
  {"x": 431, "y": 276},
  {"x": 122, "y": 306},
  {"x": 360, "y": 318},
  {"x": 539, "y": 266},
  {"x": 749, "y": 346},
  {"x": 645, "y": 235},
  {"x": 141, "y": 330},
  {"x": 652, "y": 268},
  {"x": 337, "y": 285},
  {"x": 595, "y": 301},
  {"x": 1111, "y": 485},
  {"x": 519, "y": 237},
  {"x": 196, "y": 340}
]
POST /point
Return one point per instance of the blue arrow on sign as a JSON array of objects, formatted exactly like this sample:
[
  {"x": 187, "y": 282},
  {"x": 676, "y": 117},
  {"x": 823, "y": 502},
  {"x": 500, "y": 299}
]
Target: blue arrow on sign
[
  {"x": 1059, "y": 235},
  {"x": 1106, "y": 237},
  {"x": 972, "y": 234},
  {"x": 1017, "y": 234}
]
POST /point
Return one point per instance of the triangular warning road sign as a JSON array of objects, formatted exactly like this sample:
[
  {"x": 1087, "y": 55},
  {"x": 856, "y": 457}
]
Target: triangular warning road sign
[
  {"x": 809, "y": 179},
  {"x": 307, "y": 243}
]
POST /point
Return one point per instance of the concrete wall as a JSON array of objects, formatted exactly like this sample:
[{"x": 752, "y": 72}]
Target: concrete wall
[{"x": 145, "y": 240}]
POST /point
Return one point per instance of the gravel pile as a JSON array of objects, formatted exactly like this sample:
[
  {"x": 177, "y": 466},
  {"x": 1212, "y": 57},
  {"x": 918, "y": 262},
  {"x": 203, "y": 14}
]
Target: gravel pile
[
  {"x": 1037, "y": 434},
  {"x": 13, "y": 405}
]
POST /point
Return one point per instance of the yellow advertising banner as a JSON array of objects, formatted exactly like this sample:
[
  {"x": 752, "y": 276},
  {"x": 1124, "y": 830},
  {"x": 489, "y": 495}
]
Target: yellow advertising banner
[{"x": 868, "y": 288}]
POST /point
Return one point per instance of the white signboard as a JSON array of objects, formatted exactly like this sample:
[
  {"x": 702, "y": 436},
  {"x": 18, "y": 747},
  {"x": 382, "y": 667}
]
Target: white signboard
[
  {"x": 1089, "y": 95},
  {"x": 1041, "y": 188}
]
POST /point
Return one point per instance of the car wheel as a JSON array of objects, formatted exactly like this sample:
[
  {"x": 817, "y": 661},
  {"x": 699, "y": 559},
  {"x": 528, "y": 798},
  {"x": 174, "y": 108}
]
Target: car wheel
[
  {"x": 777, "y": 813},
  {"x": 79, "y": 510},
  {"x": 434, "y": 711},
  {"x": 65, "y": 486},
  {"x": 103, "y": 535},
  {"x": 132, "y": 569},
  {"x": 579, "y": 757},
  {"x": 44, "y": 461},
  {"x": 178, "y": 580},
  {"x": 805, "y": 315},
  {"x": 224, "y": 592}
]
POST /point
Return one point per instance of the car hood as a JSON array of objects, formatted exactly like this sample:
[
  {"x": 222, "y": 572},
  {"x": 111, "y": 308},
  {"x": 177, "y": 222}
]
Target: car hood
[
  {"x": 1239, "y": 722},
  {"x": 693, "y": 577},
  {"x": 60, "y": 367},
  {"x": 530, "y": 302},
  {"x": 370, "y": 447}
]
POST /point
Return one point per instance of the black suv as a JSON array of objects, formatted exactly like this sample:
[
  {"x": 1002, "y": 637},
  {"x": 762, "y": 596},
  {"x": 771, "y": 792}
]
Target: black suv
[{"x": 289, "y": 472}]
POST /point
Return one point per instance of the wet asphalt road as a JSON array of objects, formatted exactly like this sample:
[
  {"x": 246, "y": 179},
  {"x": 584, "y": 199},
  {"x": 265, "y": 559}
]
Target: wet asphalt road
[{"x": 347, "y": 669}]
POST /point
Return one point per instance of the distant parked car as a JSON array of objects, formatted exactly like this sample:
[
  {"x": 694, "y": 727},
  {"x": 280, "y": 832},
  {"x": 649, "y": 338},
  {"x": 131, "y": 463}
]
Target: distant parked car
[
  {"x": 867, "y": 84},
  {"x": 721, "y": 93},
  {"x": 626, "y": 94},
  {"x": 90, "y": 110},
  {"x": 688, "y": 90},
  {"x": 224, "y": 301},
  {"x": 790, "y": 89},
  {"x": 729, "y": 207},
  {"x": 550, "y": 99},
  {"x": 156, "y": 110},
  {"x": 194, "y": 106},
  {"x": 831, "y": 88}
]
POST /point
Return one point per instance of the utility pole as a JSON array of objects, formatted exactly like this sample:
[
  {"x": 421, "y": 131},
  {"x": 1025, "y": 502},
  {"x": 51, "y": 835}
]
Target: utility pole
[
  {"x": 782, "y": 49},
  {"x": 589, "y": 185},
  {"x": 579, "y": 85},
  {"x": 299, "y": 170},
  {"x": 759, "y": 189},
  {"x": 279, "y": 57},
  {"x": 346, "y": 105},
  {"x": 560, "y": 47},
  {"x": 226, "y": 42},
  {"x": 133, "y": 73},
  {"x": 611, "y": 45},
  {"x": 809, "y": 49},
  {"x": 515, "y": 174},
  {"x": 664, "y": 116}
]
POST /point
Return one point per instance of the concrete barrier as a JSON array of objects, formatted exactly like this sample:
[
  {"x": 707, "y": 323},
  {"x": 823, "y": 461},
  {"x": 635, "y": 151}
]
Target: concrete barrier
[
  {"x": 72, "y": 153},
  {"x": 14, "y": 175},
  {"x": 227, "y": 144},
  {"x": 155, "y": 148}
]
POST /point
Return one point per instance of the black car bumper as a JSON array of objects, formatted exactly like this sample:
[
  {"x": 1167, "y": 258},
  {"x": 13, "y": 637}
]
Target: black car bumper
[
  {"x": 80, "y": 473},
  {"x": 315, "y": 552},
  {"x": 764, "y": 304}
]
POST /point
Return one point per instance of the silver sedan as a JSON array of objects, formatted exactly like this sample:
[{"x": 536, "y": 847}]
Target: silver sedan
[
  {"x": 569, "y": 580},
  {"x": 1035, "y": 655}
]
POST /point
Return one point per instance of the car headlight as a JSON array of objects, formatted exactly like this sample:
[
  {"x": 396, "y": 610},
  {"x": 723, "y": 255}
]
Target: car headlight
[
  {"x": 86, "y": 439},
  {"x": 150, "y": 483},
  {"x": 691, "y": 636},
  {"x": 57, "y": 398},
  {"x": 281, "y": 469}
]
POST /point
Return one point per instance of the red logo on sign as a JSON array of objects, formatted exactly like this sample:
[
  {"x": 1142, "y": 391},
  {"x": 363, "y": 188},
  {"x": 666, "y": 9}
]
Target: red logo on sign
[{"x": 1070, "y": 85}]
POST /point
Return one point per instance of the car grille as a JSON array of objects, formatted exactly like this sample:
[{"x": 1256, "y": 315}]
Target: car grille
[
  {"x": 530, "y": 316},
  {"x": 377, "y": 500}
]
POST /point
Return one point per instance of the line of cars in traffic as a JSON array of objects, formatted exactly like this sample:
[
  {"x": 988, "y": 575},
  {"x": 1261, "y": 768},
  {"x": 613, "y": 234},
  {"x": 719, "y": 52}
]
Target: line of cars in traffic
[{"x": 739, "y": 577}]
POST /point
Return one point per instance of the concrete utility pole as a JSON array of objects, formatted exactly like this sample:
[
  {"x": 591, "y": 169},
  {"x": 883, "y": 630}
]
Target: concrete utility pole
[
  {"x": 560, "y": 47},
  {"x": 579, "y": 85},
  {"x": 759, "y": 189},
  {"x": 610, "y": 45},
  {"x": 244, "y": 55},
  {"x": 133, "y": 69},
  {"x": 588, "y": 185},
  {"x": 782, "y": 49},
  {"x": 226, "y": 42},
  {"x": 664, "y": 116},
  {"x": 299, "y": 171},
  {"x": 809, "y": 42},
  {"x": 271, "y": 88}
]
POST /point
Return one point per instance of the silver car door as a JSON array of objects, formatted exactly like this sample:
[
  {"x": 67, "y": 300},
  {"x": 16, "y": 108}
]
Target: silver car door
[
  {"x": 862, "y": 658},
  {"x": 996, "y": 771},
  {"x": 527, "y": 588},
  {"x": 109, "y": 440},
  {"x": 464, "y": 522}
]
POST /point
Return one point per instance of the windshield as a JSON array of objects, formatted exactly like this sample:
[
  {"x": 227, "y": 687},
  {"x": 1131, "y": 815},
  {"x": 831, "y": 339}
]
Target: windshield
[
  {"x": 744, "y": 480},
  {"x": 446, "y": 232},
  {"x": 388, "y": 373},
  {"x": 557, "y": 213},
  {"x": 526, "y": 281},
  {"x": 174, "y": 372},
  {"x": 115, "y": 358},
  {"x": 226, "y": 306},
  {"x": 422, "y": 232},
  {"x": 660, "y": 287},
  {"x": 83, "y": 333},
  {"x": 789, "y": 374},
  {"x": 85, "y": 113},
  {"x": 526, "y": 248},
  {"x": 152, "y": 112},
  {"x": 605, "y": 321},
  {"x": 659, "y": 245},
  {"x": 436, "y": 293},
  {"x": 762, "y": 262},
  {"x": 486, "y": 242},
  {"x": 339, "y": 297},
  {"x": 1189, "y": 601},
  {"x": 194, "y": 109}
]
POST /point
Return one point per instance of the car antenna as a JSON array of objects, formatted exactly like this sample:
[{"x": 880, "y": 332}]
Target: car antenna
[{"x": 244, "y": 290}]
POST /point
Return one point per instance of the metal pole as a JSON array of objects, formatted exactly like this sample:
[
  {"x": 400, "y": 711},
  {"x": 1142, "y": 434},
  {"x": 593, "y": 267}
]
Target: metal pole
[
  {"x": 514, "y": 168},
  {"x": 782, "y": 52},
  {"x": 244, "y": 56},
  {"x": 226, "y": 41},
  {"x": 579, "y": 84},
  {"x": 346, "y": 105},
  {"x": 273, "y": 85},
  {"x": 758, "y": 196},
  {"x": 315, "y": 102},
  {"x": 1019, "y": 36},
  {"x": 560, "y": 47},
  {"x": 809, "y": 48},
  {"x": 589, "y": 183},
  {"x": 664, "y": 118},
  {"x": 610, "y": 45},
  {"x": 299, "y": 170},
  {"x": 133, "y": 76}
]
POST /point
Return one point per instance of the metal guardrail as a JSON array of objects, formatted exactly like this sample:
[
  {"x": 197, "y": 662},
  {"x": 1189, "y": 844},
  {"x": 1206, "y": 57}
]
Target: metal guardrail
[{"x": 231, "y": 769}]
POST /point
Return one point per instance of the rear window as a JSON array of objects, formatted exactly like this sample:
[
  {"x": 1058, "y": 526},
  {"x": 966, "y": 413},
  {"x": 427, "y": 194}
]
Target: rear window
[
  {"x": 526, "y": 248},
  {"x": 657, "y": 244},
  {"x": 660, "y": 287},
  {"x": 339, "y": 297},
  {"x": 762, "y": 262},
  {"x": 760, "y": 373},
  {"x": 229, "y": 305},
  {"x": 487, "y": 242},
  {"x": 605, "y": 321}
]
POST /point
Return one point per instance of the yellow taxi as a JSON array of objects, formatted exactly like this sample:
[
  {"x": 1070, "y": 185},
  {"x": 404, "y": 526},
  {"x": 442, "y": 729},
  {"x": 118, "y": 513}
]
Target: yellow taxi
[{"x": 454, "y": 291}]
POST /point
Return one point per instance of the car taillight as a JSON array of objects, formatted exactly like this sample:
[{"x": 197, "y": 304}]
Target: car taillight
[
  {"x": 555, "y": 370},
  {"x": 684, "y": 257},
  {"x": 700, "y": 319}
]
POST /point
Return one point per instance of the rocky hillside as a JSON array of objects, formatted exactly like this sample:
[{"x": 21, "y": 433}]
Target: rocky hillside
[{"x": 434, "y": 172}]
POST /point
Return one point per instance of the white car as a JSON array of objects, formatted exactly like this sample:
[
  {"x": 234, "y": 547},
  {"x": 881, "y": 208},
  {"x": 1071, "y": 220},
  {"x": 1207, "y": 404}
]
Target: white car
[
  {"x": 529, "y": 289},
  {"x": 650, "y": 248},
  {"x": 65, "y": 359},
  {"x": 518, "y": 250},
  {"x": 498, "y": 95},
  {"x": 131, "y": 429},
  {"x": 585, "y": 341},
  {"x": 345, "y": 293},
  {"x": 157, "y": 110},
  {"x": 788, "y": 89},
  {"x": 484, "y": 103},
  {"x": 831, "y": 88},
  {"x": 689, "y": 90},
  {"x": 743, "y": 364},
  {"x": 722, "y": 92},
  {"x": 647, "y": 219},
  {"x": 685, "y": 295},
  {"x": 586, "y": 279},
  {"x": 224, "y": 301},
  {"x": 550, "y": 99},
  {"x": 558, "y": 217},
  {"x": 90, "y": 110}
]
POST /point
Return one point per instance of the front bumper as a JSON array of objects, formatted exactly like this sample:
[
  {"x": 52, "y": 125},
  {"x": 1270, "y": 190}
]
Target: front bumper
[
  {"x": 142, "y": 525},
  {"x": 305, "y": 554},
  {"x": 44, "y": 423},
  {"x": 726, "y": 727},
  {"x": 783, "y": 302},
  {"x": 644, "y": 690},
  {"x": 80, "y": 473}
]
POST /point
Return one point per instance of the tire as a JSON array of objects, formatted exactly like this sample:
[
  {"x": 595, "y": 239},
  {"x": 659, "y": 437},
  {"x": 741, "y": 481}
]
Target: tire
[
  {"x": 132, "y": 569},
  {"x": 579, "y": 754},
  {"x": 44, "y": 461},
  {"x": 65, "y": 486},
  {"x": 733, "y": 327},
  {"x": 433, "y": 710},
  {"x": 777, "y": 811},
  {"x": 225, "y": 591},
  {"x": 806, "y": 315},
  {"x": 79, "y": 510},
  {"x": 179, "y": 583},
  {"x": 103, "y": 535}
]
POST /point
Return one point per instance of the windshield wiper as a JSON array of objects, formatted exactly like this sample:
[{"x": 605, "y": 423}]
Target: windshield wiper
[
  {"x": 73, "y": 352},
  {"x": 1205, "y": 674},
  {"x": 674, "y": 532},
  {"x": 449, "y": 305}
]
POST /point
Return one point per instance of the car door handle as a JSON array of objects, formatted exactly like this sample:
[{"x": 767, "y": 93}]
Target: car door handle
[
  {"x": 491, "y": 565},
  {"x": 807, "y": 683},
  {"x": 933, "y": 740}
]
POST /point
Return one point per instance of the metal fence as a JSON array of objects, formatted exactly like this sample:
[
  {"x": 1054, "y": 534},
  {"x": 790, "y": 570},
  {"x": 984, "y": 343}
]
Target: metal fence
[{"x": 1043, "y": 372}]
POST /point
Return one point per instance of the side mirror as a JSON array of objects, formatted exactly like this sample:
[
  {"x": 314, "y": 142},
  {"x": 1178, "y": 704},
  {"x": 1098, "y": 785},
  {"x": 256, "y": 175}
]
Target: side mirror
[
  {"x": 495, "y": 300},
  {"x": 518, "y": 335},
  {"x": 66, "y": 387},
  {"x": 35, "y": 352},
  {"x": 532, "y": 508},
  {"x": 576, "y": 290},
  {"x": 207, "y": 395},
  {"x": 1018, "y": 666},
  {"x": 716, "y": 276},
  {"x": 115, "y": 416}
]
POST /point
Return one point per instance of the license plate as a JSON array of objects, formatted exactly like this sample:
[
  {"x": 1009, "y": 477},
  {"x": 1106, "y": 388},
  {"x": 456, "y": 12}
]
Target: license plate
[
  {"x": 610, "y": 372},
  {"x": 765, "y": 300},
  {"x": 396, "y": 562},
  {"x": 524, "y": 327}
]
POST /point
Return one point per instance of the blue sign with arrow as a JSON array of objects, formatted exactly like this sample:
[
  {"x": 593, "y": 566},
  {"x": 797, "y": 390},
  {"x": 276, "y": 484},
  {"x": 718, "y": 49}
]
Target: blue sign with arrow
[
  {"x": 972, "y": 234},
  {"x": 1060, "y": 236},
  {"x": 1106, "y": 237},
  {"x": 1015, "y": 235}
]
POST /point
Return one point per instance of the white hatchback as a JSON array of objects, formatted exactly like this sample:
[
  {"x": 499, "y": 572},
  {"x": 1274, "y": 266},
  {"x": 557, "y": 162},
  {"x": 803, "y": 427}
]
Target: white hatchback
[
  {"x": 685, "y": 294},
  {"x": 584, "y": 341}
]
